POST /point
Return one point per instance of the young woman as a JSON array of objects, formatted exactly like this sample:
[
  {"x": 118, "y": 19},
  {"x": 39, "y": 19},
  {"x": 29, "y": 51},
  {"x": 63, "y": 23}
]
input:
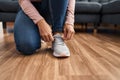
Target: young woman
[{"x": 32, "y": 25}]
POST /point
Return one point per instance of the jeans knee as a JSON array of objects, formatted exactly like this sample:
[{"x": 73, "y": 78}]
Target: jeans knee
[{"x": 27, "y": 48}]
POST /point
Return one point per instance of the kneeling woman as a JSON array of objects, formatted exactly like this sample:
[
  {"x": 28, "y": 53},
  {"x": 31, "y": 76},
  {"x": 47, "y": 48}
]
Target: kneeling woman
[{"x": 32, "y": 25}]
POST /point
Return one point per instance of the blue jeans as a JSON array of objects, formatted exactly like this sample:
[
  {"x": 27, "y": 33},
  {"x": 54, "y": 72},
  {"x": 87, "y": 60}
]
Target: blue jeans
[{"x": 26, "y": 33}]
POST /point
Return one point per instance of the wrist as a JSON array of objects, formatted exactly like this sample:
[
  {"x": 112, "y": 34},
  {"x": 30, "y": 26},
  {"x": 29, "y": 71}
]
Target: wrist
[{"x": 41, "y": 23}]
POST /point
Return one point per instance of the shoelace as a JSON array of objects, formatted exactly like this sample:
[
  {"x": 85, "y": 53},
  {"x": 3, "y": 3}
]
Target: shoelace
[{"x": 59, "y": 40}]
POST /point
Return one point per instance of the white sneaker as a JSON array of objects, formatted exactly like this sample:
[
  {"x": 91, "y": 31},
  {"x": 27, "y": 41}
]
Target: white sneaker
[{"x": 59, "y": 47}]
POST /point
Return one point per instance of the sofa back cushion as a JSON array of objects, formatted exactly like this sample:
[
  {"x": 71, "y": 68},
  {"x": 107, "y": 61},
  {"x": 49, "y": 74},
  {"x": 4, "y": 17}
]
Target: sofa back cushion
[
  {"x": 9, "y": 5},
  {"x": 100, "y": 1}
]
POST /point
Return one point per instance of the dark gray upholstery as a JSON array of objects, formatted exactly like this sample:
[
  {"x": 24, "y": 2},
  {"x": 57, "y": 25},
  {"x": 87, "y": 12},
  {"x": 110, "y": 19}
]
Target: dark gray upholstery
[
  {"x": 8, "y": 6},
  {"x": 111, "y": 12},
  {"x": 97, "y": 11},
  {"x": 88, "y": 7},
  {"x": 8, "y": 10},
  {"x": 111, "y": 19},
  {"x": 87, "y": 18},
  {"x": 4, "y": 17},
  {"x": 87, "y": 11},
  {"x": 111, "y": 7}
]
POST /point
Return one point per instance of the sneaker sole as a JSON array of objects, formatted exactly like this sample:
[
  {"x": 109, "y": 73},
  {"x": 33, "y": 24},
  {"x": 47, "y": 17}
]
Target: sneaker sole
[{"x": 63, "y": 55}]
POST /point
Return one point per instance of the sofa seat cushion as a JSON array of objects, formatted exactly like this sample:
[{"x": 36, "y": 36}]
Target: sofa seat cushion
[
  {"x": 9, "y": 5},
  {"x": 87, "y": 18},
  {"x": 88, "y": 7},
  {"x": 4, "y": 17},
  {"x": 111, "y": 7}
]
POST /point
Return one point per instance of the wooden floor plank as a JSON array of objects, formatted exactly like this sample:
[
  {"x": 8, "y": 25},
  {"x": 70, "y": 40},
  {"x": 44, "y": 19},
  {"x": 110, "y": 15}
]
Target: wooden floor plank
[{"x": 93, "y": 57}]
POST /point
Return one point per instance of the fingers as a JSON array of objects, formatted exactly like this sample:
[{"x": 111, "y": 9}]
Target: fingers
[
  {"x": 45, "y": 31},
  {"x": 43, "y": 38},
  {"x": 51, "y": 38},
  {"x": 47, "y": 37},
  {"x": 65, "y": 33},
  {"x": 69, "y": 35},
  {"x": 68, "y": 32},
  {"x": 72, "y": 34}
]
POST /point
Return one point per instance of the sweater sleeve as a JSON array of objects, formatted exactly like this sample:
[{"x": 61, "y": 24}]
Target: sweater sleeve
[
  {"x": 70, "y": 12},
  {"x": 30, "y": 10}
]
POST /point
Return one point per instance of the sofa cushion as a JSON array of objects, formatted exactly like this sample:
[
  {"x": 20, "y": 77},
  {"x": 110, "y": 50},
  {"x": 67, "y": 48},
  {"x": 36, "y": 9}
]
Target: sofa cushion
[
  {"x": 100, "y": 1},
  {"x": 111, "y": 7},
  {"x": 9, "y": 5},
  {"x": 104, "y": 1},
  {"x": 87, "y": 18},
  {"x": 7, "y": 17},
  {"x": 87, "y": 7},
  {"x": 111, "y": 18}
]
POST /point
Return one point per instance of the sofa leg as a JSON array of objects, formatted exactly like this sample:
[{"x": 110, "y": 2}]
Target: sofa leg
[
  {"x": 82, "y": 26},
  {"x": 86, "y": 27},
  {"x": 4, "y": 27},
  {"x": 95, "y": 28},
  {"x": 95, "y": 31},
  {"x": 115, "y": 28}
]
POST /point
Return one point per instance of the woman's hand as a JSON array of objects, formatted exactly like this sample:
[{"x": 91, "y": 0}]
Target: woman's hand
[
  {"x": 68, "y": 32},
  {"x": 45, "y": 31}
]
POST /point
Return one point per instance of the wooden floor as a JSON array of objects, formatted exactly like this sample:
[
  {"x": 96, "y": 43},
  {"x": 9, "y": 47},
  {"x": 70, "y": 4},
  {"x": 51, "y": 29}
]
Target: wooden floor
[{"x": 93, "y": 57}]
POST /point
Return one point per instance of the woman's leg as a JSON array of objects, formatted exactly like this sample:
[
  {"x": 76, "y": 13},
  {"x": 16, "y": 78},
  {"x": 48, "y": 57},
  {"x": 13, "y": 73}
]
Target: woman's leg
[
  {"x": 54, "y": 12},
  {"x": 26, "y": 34},
  {"x": 58, "y": 10}
]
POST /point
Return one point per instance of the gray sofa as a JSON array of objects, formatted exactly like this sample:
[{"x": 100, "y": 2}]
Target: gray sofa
[
  {"x": 97, "y": 11},
  {"x": 86, "y": 11},
  {"x": 111, "y": 12},
  {"x": 8, "y": 11}
]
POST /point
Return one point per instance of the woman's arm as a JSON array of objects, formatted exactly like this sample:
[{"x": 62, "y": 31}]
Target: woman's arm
[
  {"x": 30, "y": 10},
  {"x": 70, "y": 12},
  {"x": 69, "y": 23}
]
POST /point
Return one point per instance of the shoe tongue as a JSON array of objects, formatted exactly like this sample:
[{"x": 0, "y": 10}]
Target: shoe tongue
[
  {"x": 57, "y": 35},
  {"x": 58, "y": 39}
]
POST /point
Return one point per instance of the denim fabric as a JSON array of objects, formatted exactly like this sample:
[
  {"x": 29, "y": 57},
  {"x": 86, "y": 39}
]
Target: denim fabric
[{"x": 26, "y": 33}]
